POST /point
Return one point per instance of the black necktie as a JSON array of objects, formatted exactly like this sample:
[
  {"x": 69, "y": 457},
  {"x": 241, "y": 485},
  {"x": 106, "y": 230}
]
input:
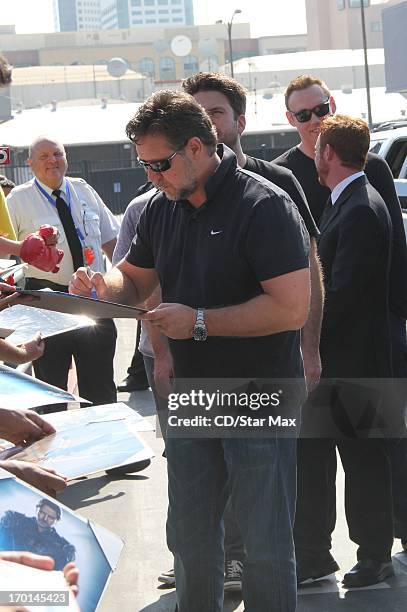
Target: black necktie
[
  {"x": 72, "y": 237},
  {"x": 326, "y": 213}
]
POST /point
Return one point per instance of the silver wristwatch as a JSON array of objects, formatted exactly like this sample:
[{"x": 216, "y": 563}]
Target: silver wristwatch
[{"x": 199, "y": 331}]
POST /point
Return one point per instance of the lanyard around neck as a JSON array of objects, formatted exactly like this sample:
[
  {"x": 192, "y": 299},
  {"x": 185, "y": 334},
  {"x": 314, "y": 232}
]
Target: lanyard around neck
[{"x": 68, "y": 203}]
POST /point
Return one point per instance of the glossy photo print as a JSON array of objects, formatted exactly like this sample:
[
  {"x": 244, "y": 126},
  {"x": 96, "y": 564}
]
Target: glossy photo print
[{"x": 29, "y": 520}]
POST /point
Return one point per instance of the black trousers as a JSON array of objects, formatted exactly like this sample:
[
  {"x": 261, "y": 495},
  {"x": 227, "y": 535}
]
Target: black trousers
[
  {"x": 368, "y": 490},
  {"x": 397, "y": 447},
  {"x": 136, "y": 368},
  {"x": 93, "y": 349},
  {"x": 368, "y": 500}
]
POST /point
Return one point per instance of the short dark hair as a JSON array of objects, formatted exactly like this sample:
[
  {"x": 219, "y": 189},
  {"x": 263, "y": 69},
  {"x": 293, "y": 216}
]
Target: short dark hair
[
  {"x": 6, "y": 182},
  {"x": 50, "y": 504},
  {"x": 303, "y": 82},
  {"x": 349, "y": 137},
  {"x": 174, "y": 115},
  {"x": 5, "y": 72},
  {"x": 216, "y": 81}
]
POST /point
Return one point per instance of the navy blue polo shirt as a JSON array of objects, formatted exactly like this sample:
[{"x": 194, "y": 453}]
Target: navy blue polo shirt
[{"x": 247, "y": 231}]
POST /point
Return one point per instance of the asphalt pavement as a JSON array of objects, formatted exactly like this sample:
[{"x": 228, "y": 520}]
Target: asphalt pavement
[{"x": 134, "y": 507}]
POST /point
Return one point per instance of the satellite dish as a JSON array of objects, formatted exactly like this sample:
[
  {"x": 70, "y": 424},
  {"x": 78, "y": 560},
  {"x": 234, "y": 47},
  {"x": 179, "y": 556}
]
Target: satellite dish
[
  {"x": 117, "y": 67},
  {"x": 207, "y": 47},
  {"x": 268, "y": 93},
  {"x": 181, "y": 45},
  {"x": 160, "y": 45}
]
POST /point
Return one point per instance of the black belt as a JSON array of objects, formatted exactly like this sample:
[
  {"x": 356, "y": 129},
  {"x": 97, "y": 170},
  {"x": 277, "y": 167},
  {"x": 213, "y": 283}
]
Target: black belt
[{"x": 39, "y": 283}]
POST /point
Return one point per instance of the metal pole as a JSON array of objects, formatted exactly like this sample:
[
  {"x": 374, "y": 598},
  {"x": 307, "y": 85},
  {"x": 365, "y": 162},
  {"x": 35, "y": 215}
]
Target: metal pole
[
  {"x": 230, "y": 48},
  {"x": 94, "y": 82},
  {"x": 367, "y": 79}
]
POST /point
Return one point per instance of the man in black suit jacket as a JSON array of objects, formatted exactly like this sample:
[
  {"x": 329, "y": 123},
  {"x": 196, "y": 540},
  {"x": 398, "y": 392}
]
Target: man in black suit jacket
[{"x": 354, "y": 248}]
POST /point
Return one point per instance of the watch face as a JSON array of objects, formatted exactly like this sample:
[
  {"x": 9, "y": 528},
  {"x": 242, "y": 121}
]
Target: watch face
[{"x": 200, "y": 332}]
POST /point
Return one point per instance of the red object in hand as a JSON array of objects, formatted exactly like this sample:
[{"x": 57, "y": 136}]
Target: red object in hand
[
  {"x": 89, "y": 255},
  {"x": 49, "y": 233},
  {"x": 35, "y": 251}
]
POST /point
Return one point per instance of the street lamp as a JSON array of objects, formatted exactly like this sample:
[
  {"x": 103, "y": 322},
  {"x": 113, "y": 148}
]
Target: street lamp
[
  {"x": 229, "y": 25},
  {"x": 367, "y": 79},
  {"x": 250, "y": 65}
]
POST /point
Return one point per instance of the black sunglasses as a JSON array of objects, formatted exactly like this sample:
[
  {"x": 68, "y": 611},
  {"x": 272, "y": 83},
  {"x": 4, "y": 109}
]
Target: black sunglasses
[
  {"x": 161, "y": 165},
  {"x": 321, "y": 110}
]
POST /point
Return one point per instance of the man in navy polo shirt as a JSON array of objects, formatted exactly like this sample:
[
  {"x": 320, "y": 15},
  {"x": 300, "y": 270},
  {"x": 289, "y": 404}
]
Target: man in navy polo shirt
[{"x": 231, "y": 254}]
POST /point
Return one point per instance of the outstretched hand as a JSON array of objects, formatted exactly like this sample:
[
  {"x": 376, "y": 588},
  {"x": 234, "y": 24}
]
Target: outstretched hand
[
  {"x": 173, "y": 320},
  {"x": 41, "y": 562},
  {"x": 85, "y": 282},
  {"x": 46, "y": 480},
  {"x": 18, "y": 426},
  {"x": 39, "y": 249}
]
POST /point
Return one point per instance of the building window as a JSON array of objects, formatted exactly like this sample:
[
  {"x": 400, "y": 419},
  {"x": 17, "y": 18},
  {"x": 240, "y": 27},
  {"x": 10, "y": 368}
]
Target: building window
[
  {"x": 151, "y": 21},
  {"x": 211, "y": 64},
  {"x": 135, "y": 2},
  {"x": 167, "y": 69},
  {"x": 149, "y": 2},
  {"x": 147, "y": 66},
  {"x": 162, "y": 2},
  {"x": 163, "y": 21},
  {"x": 176, "y": 1},
  {"x": 137, "y": 22},
  {"x": 356, "y": 3},
  {"x": 376, "y": 26},
  {"x": 191, "y": 65},
  {"x": 176, "y": 11},
  {"x": 163, "y": 12},
  {"x": 340, "y": 4},
  {"x": 150, "y": 12},
  {"x": 177, "y": 20}
]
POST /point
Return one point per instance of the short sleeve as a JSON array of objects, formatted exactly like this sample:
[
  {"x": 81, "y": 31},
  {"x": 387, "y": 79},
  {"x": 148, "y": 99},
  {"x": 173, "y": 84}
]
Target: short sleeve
[
  {"x": 141, "y": 254},
  {"x": 277, "y": 240},
  {"x": 128, "y": 229},
  {"x": 6, "y": 226},
  {"x": 295, "y": 191}
]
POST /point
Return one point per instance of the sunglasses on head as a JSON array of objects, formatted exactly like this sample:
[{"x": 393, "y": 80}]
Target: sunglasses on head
[
  {"x": 321, "y": 110},
  {"x": 161, "y": 165}
]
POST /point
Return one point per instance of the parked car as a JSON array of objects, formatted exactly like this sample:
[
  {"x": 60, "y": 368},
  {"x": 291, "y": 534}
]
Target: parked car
[
  {"x": 401, "y": 188},
  {"x": 392, "y": 145}
]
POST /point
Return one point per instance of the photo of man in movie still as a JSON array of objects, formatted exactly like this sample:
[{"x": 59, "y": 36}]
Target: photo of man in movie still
[{"x": 30, "y": 521}]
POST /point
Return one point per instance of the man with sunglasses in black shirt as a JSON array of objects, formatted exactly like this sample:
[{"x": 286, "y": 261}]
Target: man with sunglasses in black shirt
[
  {"x": 224, "y": 99},
  {"x": 231, "y": 254},
  {"x": 308, "y": 100}
]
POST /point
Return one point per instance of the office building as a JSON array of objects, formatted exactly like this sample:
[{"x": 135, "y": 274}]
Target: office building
[
  {"x": 336, "y": 24},
  {"x": 74, "y": 15}
]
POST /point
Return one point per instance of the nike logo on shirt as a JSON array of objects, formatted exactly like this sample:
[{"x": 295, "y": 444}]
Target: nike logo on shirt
[{"x": 214, "y": 233}]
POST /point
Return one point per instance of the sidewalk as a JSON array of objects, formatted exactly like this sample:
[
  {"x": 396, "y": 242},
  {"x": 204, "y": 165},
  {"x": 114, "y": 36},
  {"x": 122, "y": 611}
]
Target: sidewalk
[{"x": 135, "y": 507}]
